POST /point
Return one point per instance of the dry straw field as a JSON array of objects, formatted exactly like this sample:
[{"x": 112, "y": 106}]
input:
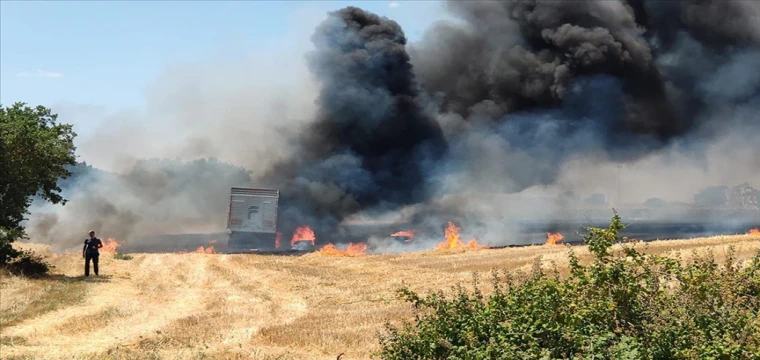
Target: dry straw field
[{"x": 185, "y": 306}]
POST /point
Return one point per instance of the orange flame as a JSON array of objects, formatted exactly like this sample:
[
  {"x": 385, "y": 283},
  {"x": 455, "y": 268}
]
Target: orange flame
[
  {"x": 352, "y": 250},
  {"x": 303, "y": 233},
  {"x": 453, "y": 240},
  {"x": 553, "y": 239},
  {"x": 409, "y": 234},
  {"x": 277, "y": 240},
  {"x": 109, "y": 246},
  {"x": 754, "y": 232},
  {"x": 207, "y": 250}
]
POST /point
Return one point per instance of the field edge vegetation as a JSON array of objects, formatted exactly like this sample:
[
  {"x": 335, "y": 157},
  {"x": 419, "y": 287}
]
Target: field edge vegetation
[
  {"x": 623, "y": 305},
  {"x": 37, "y": 152}
]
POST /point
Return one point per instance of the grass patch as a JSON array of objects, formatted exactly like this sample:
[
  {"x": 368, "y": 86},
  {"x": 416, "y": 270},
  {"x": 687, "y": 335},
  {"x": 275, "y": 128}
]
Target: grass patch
[
  {"x": 89, "y": 323},
  {"x": 12, "y": 340},
  {"x": 189, "y": 333},
  {"x": 125, "y": 353},
  {"x": 51, "y": 296}
]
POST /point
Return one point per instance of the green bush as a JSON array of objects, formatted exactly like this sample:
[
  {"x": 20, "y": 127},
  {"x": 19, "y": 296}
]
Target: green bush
[
  {"x": 17, "y": 262},
  {"x": 624, "y": 305},
  {"x": 118, "y": 256},
  {"x": 27, "y": 263}
]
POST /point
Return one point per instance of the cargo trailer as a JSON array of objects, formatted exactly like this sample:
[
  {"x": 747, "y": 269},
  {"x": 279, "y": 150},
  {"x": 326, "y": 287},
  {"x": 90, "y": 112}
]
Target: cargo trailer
[{"x": 252, "y": 219}]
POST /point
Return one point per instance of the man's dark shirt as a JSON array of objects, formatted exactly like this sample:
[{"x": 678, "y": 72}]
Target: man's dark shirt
[{"x": 91, "y": 246}]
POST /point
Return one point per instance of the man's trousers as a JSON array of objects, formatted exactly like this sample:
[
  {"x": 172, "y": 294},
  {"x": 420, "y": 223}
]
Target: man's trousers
[{"x": 94, "y": 258}]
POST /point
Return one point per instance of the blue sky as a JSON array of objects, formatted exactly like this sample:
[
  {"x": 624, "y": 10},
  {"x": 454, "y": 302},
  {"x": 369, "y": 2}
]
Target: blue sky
[{"x": 103, "y": 53}]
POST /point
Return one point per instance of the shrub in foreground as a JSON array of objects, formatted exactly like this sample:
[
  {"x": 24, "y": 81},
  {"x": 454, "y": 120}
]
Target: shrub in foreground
[
  {"x": 17, "y": 262},
  {"x": 624, "y": 305},
  {"x": 27, "y": 263}
]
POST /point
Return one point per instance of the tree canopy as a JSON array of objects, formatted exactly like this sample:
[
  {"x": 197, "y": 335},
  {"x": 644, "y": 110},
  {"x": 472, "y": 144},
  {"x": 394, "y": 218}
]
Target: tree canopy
[{"x": 35, "y": 151}]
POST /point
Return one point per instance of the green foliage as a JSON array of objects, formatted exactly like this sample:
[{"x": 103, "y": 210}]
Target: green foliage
[
  {"x": 34, "y": 153},
  {"x": 624, "y": 305},
  {"x": 17, "y": 262},
  {"x": 27, "y": 263},
  {"x": 7, "y": 237},
  {"x": 118, "y": 256}
]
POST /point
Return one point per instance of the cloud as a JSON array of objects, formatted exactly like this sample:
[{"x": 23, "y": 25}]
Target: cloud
[
  {"x": 393, "y": 4},
  {"x": 40, "y": 73}
]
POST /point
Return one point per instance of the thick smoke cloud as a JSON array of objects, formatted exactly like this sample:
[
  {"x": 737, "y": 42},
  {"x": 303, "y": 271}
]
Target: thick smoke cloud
[
  {"x": 717, "y": 24},
  {"x": 371, "y": 144},
  {"x": 553, "y": 44},
  {"x": 521, "y": 109},
  {"x": 567, "y": 44},
  {"x": 710, "y": 52},
  {"x": 533, "y": 94},
  {"x": 520, "y": 89}
]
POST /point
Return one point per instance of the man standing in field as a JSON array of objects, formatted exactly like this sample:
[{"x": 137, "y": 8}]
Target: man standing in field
[{"x": 90, "y": 252}]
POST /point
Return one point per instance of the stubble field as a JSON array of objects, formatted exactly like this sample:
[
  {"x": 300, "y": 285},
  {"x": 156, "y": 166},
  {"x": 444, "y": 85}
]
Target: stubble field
[{"x": 184, "y": 306}]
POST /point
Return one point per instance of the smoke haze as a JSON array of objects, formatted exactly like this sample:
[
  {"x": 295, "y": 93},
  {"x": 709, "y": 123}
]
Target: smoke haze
[{"x": 490, "y": 117}]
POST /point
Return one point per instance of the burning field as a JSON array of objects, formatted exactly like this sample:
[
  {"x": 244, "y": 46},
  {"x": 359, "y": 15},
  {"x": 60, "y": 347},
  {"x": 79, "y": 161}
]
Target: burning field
[
  {"x": 382, "y": 240},
  {"x": 483, "y": 145},
  {"x": 314, "y": 306},
  {"x": 505, "y": 113}
]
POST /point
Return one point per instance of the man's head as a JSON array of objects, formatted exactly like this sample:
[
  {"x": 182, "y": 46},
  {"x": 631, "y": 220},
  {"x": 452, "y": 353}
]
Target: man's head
[{"x": 92, "y": 233}]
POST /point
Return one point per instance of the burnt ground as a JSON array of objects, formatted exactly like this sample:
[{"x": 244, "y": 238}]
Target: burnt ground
[{"x": 529, "y": 233}]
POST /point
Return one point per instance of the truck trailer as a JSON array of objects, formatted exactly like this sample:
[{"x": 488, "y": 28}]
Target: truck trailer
[{"x": 252, "y": 219}]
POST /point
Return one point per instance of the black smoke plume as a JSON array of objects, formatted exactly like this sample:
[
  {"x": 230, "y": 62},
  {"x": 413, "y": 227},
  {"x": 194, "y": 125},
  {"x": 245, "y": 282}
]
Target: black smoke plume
[
  {"x": 371, "y": 143},
  {"x": 586, "y": 76},
  {"x": 710, "y": 51},
  {"x": 515, "y": 56},
  {"x": 518, "y": 88}
]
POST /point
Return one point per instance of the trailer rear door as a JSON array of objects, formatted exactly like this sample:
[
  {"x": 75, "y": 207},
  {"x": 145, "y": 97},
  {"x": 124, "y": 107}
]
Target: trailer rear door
[{"x": 253, "y": 210}]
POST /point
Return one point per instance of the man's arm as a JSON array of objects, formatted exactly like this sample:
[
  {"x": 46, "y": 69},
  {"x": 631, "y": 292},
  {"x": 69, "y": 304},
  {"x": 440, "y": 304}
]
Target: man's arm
[
  {"x": 84, "y": 248},
  {"x": 100, "y": 243}
]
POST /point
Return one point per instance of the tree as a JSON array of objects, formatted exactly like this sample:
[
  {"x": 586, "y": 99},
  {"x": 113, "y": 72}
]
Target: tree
[{"x": 35, "y": 151}]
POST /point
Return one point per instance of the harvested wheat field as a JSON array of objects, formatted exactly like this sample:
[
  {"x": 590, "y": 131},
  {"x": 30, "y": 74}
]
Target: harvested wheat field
[{"x": 180, "y": 306}]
